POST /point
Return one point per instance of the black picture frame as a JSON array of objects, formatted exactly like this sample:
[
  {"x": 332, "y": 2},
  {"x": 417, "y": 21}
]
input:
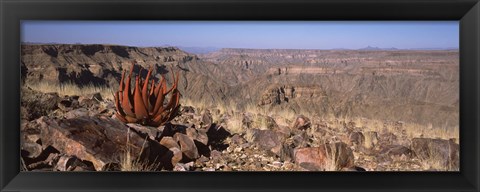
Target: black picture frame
[{"x": 465, "y": 11}]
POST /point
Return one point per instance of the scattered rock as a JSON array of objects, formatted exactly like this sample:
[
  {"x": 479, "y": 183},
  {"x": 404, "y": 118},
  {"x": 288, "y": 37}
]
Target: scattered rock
[
  {"x": 31, "y": 150},
  {"x": 238, "y": 140},
  {"x": 69, "y": 163},
  {"x": 169, "y": 142},
  {"x": 187, "y": 146},
  {"x": 445, "y": 151},
  {"x": 215, "y": 155},
  {"x": 145, "y": 131},
  {"x": 330, "y": 157},
  {"x": 207, "y": 119},
  {"x": 198, "y": 135},
  {"x": 300, "y": 139},
  {"x": 90, "y": 100},
  {"x": 268, "y": 140},
  {"x": 356, "y": 138},
  {"x": 216, "y": 137},
  {"x": 353, "y": 169},
  {"x": 97, "y": 139},
  {"x": 179, "y": 167},
  {"x": 188, "y": 109},
  {"x": 387, "y": 138},
  {"x": 68, "y": 103},
  {"x": 171, "y": 158},
  {"x": 38, "y": 104},
  {"x": 396, "y": 150},
  {"x": 264, "y": 122},
  {"x": 78, "y": 113},
  {"x": 302, "y": 123}
]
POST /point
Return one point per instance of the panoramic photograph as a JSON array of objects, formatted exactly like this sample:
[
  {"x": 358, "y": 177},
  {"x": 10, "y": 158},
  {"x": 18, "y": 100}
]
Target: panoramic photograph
[{"x": 239, "y": 96}]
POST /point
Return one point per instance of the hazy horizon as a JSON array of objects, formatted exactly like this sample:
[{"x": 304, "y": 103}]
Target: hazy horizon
[{"x": 248, "y": 34}]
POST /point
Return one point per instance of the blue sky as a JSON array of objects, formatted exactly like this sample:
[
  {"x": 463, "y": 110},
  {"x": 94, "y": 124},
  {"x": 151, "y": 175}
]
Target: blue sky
[{"x": 248, "y": 34}]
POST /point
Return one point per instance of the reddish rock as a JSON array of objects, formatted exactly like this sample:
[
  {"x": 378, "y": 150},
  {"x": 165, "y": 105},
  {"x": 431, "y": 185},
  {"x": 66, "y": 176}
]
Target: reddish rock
[
  {"x": 30, "y": 149},
  {"x": 68, "y": 103},
  {"x": 152, "y": 132},
  {"x": 69, "y": 163},
  {"x": 171, "y": 158},
  {"x": 98, "y": 139},
  {"x": 198, "y": 135},
  {"x": 237, "y": 139},
  {"x": 169, "y": 142},
  {"x": 330, "y": 157},
  {"x": 396, "y": 150},
  {"x": 37, "y": 104},
  {"x": 302, "y": 123},
  {"x": 216, "y": 155},
  {"x": 268, "y": 140},
  {"x": 187, "y": 145},
  {"x": 356, "y": 138},
  {"x": 207, "y": 119},
  {"x": 447, "y": 151},
  {"x": 78, "y": 113}
]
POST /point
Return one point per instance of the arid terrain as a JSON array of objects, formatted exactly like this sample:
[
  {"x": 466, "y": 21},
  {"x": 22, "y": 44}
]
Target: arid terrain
[{"x": 243, "y": 110}]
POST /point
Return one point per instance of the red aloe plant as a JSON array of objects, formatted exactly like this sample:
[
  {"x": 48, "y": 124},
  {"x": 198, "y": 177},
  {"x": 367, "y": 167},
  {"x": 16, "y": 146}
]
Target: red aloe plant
[{"x": 146, "y": 104}]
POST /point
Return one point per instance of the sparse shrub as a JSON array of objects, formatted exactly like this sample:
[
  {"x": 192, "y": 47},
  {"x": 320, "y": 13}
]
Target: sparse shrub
[
  {"x": 371, "y": 139},
  {"x": 338, "y": 156},
  {"x": 250, "y": 135},
  {"x": 235, "y": 124}
]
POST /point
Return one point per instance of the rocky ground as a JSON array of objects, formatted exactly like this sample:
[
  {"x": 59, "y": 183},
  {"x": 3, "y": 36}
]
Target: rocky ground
[{"x": 80, "y": 133}]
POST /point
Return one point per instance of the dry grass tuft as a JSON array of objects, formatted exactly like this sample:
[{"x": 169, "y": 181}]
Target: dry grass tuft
[
  {"x": 250, "y": 136},
  {"x": 127, "y": 163},
  {"x": 235, "y": 124},
  {"x": 412, "y": 130},
  {"x": 436, "y": 161},
  {"x": 72, "y": 89},
  {"x": 332, "y": 155}
]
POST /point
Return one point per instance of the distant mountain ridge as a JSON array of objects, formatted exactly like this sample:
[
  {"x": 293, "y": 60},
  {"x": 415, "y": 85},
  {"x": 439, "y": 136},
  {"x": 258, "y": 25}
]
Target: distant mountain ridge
[
  {"x": 370, "y": 48},
  {"x": 209, "y": 49},
  {"x": 199, "y": 50}
]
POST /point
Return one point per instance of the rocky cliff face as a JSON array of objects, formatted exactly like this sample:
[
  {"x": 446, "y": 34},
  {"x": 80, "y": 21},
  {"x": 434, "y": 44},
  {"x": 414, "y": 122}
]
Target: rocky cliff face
[
  {"x": 102, "y": 65},
  {"x": 95, "y": 64}
]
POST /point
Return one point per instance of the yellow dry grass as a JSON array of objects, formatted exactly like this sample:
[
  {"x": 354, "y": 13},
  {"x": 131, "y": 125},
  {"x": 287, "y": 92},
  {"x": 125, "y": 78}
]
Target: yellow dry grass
[
  {"x": 235, "y": 124},
  {"x": 412, "y": 130},
  {"x": 72, "y": 89},
  {"x": 331, "y": 163},
  {"x": 436, "y": 161},
  {"x": 128, "y": 163}
]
